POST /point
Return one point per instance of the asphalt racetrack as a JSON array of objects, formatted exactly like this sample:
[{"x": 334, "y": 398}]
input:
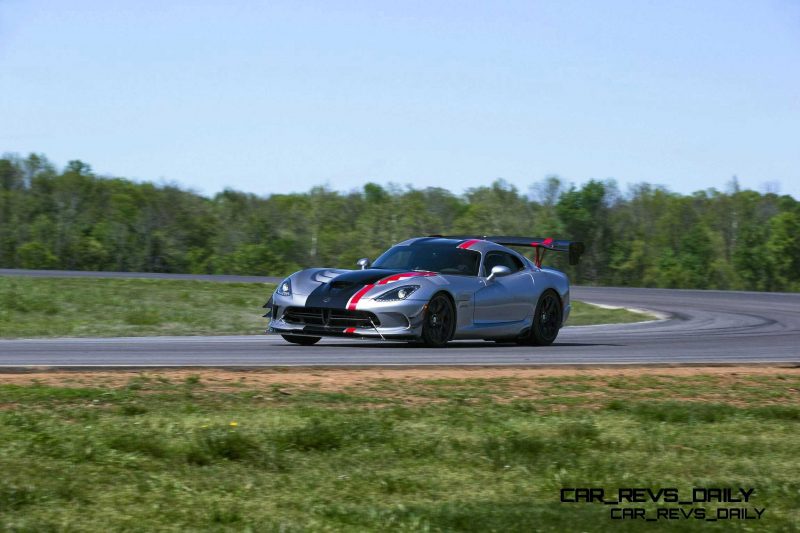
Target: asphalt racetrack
[{"x": 701, "y": 327}]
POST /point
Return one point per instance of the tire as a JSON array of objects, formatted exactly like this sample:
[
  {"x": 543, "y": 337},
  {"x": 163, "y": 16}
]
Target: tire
[
  {"x": 546, "y": 321},
  {"x": 439, "y": 323},
  {"x": 299, "y": 339}
]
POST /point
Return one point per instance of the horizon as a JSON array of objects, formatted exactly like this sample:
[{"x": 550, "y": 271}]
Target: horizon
[
  {"x": 529, "y": 191},
  {"x": 285, "y": 97}
]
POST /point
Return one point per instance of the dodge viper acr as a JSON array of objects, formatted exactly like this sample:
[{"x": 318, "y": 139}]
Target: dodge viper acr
[{"x": 431, "y": 290}]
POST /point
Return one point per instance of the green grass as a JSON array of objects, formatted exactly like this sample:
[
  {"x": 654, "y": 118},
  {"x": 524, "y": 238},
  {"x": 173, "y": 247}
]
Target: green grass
[
  {"x": 585, "y": 314},
  {"x": 172, "y": 454},
  {"x": 80, "y": 307},
  {"x": 75, "y": 307}
]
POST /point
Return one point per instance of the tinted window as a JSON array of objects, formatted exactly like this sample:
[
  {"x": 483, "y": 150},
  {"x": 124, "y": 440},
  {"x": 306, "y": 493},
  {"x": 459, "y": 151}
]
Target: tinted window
[
  {"x": 501, "y": 258},
  {"x": 445, "y": 259}
]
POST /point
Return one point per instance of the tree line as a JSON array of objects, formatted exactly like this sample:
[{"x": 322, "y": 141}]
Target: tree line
[{"x": 647, "y": 236}]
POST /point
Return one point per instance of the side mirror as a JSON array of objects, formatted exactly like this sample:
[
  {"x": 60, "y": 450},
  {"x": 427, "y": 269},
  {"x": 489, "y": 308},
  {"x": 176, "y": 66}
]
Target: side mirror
[
  {"x": 498, "y": 272},
  {"x": 363, "y": 263}
]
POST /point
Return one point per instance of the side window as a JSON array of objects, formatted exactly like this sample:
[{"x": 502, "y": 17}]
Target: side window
[
  {"x": 489, "y": 262},
  {"x": 501, "y": 258},
  {"x": 516, "y": 263}
]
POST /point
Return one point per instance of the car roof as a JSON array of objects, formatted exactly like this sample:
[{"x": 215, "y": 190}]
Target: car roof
[{"x": 477, "y": 245}]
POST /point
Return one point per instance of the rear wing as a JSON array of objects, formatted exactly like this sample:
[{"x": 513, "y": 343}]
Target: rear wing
[{"x": 574, "y": 248}]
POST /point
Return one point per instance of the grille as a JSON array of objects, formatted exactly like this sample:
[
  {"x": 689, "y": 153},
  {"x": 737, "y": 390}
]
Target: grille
[{"x": 334, "y": 318}]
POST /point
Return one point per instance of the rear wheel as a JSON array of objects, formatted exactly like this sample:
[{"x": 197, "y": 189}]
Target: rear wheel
[
  {"x": 440, "y": 322},
  {"x": 546, "y": 321},
  {"x": 299, "y": 339}
]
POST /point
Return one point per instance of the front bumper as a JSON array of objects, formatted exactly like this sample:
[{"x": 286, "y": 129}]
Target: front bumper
[{"x": 400, "y": 320}]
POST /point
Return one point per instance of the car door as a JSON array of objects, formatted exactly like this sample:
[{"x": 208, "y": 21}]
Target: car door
[{"x": 503, "y": 299}]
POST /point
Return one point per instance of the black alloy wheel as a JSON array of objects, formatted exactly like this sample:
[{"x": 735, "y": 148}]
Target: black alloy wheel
[
  {"x": 546, "y": 320},
  {"x": 439, "y": 323},
  {"x": 299, "y": 339}
]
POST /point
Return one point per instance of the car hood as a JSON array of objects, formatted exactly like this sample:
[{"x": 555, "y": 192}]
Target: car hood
[{"x": 335, "y": 288}]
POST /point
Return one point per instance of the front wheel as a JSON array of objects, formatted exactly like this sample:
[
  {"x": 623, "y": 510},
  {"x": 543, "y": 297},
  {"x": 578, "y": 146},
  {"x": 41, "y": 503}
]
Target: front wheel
[
  {"x": 440, "y": 322},
  {"x": 546, "y": 321},
  {"x": 299, "y": 339}
]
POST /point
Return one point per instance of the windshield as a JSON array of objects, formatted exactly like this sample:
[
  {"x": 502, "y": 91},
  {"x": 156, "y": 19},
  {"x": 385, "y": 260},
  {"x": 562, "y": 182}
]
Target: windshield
[{"x": 444, "y": 259}]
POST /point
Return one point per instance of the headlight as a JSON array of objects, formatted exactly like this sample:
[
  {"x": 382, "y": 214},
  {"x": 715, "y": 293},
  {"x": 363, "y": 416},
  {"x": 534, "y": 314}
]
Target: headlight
[
  {"x": 285, "y": 288},
  {"x": 400, "y": 293}
]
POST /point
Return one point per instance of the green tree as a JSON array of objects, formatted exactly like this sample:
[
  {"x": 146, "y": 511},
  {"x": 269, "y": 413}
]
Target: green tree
[
  {"x": 649, "y": 236},
  {"x": 34, "y": 254},
  {"x": 783, "y": 251}
]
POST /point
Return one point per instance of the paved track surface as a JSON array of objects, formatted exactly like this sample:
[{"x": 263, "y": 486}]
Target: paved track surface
[{"x": 703, "y": 327}]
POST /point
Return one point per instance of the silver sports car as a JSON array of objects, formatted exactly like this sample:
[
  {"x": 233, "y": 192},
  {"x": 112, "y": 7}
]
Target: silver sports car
[{"x": 431, "y": 290}]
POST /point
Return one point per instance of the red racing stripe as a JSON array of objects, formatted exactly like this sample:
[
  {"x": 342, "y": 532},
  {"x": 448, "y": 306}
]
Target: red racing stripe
[
  {"x": 547, "y": 242},
  {"x": 404, "y": 275},
  {"x": 353, "y": 301},
  {"x": 467, "y": 244}
]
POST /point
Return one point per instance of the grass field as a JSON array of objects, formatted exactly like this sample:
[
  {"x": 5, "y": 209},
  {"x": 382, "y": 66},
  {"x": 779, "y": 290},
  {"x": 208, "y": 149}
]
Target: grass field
[
  {"x": 81, "y": 307},
  {"x": 584, "y": 314},
  {"x": 389, "y": 450}
]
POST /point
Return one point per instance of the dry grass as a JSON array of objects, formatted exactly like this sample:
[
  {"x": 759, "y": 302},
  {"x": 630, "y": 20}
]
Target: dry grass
[{"x": 589, "y": 386}]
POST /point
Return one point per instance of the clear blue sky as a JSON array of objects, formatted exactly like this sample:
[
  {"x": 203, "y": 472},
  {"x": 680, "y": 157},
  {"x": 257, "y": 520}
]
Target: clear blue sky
[{"x": 278, "y": 96}]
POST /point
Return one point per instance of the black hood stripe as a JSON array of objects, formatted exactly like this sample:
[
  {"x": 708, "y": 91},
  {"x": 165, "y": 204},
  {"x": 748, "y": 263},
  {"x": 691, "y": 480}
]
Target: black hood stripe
[{"x": 346, "y": 290}]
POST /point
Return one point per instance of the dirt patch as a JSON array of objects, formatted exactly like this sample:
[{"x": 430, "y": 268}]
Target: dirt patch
[{"x": 340, "y": 379}]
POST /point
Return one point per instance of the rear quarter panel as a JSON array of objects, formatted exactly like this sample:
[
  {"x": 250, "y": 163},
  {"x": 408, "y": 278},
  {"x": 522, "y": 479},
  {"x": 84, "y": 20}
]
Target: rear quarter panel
[{"x": 548, "y": 278}]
